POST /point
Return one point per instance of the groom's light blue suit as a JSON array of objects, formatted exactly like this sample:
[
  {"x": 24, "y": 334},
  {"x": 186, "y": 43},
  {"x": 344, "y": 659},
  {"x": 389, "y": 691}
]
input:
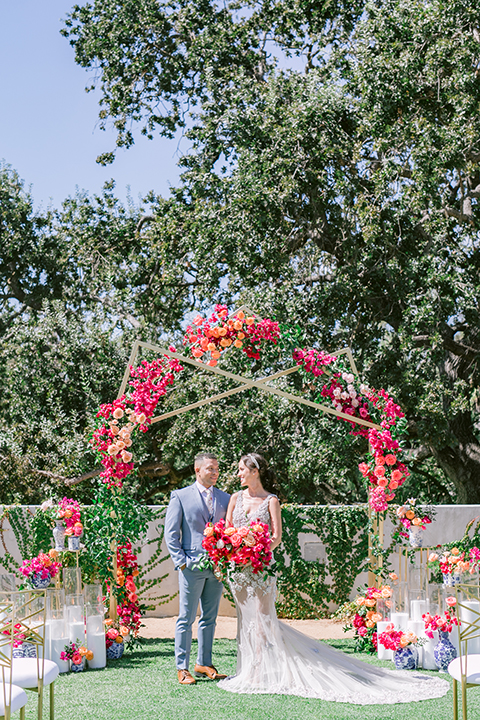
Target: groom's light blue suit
[{"x": 187, "y": 515}]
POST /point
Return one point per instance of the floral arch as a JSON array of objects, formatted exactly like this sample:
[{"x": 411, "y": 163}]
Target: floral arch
[{"x": 367, "y": 412}]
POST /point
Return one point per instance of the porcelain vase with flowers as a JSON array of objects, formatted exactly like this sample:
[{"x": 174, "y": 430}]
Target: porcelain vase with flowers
[
  {"x": 444, "y": 651},
  {"x": 38, "y": 571},
  {"x": 413, "y": 521},
  {"x": 403, "y": 644}
]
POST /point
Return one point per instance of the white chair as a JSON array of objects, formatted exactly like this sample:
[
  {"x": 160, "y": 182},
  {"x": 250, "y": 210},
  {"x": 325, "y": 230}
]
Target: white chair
[
  {"x": 465, "y": 669},
  {"x": 12, "y": 697},
  {"x": 33, "y": 674}
]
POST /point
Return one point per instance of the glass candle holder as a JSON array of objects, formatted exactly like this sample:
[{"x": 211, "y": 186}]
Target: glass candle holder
[
  {"x": 76, "y": 617},
  {"x": 72, "y": 581},
  {"x": 96, "y": 635}
]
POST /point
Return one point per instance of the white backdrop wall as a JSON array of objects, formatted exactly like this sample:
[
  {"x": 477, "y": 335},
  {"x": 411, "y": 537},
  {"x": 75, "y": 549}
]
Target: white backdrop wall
[{"x": 449, "y": 524}]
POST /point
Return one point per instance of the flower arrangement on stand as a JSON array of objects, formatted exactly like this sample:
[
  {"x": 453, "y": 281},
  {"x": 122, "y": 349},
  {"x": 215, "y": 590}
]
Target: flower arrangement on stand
[
  {"x": 444, "y": 652},
  {"x": 229, "y": 546},
  {"x": 69, "y": 512},
  {"x": 368, "y": 611},
  {"x": 38, "y": 571},
  {"x": 413, "y": 521},
  {"x": 452, "y": 564},
  {"x": 403, "y": 645},
  {"x": 76, "y": 654}
]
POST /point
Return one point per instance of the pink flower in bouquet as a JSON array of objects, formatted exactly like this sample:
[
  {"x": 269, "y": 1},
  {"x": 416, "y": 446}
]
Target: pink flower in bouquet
[
  {"x": 362, "y": 631},
  {"x": 112, "y": 633},
  {"x": 76, "y": 658},
  {"x": 236, "y": 539},
  {"x": 451, "y": 601}
]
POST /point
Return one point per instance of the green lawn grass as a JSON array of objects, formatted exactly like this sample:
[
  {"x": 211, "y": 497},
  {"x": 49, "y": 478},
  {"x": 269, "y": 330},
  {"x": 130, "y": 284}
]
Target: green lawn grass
[{"x": 143, "y": 686}]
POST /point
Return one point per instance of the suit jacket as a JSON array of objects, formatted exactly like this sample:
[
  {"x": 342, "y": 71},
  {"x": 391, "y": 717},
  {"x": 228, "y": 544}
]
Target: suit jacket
[{"x": 187, "y": 515}]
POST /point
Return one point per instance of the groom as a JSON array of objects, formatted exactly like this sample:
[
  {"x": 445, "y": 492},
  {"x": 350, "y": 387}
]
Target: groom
[{"x": 188, "y": 512}]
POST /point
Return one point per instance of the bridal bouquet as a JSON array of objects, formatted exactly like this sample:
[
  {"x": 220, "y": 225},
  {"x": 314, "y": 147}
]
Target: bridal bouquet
[{"x": 227, "y": 546}]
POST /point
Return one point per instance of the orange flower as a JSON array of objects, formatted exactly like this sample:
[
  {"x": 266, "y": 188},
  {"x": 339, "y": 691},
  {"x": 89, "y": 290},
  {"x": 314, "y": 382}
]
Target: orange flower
[
  {"x": 390, "y": 459},
  {"x": 393, "y": 485},
  {"x": 237, "y": 325},
  {"x": 396, "y": 475},
  {"x": 135, "y": 573},
  {"x": 89, "y": 655},
  {"x": 118, "y": 413},
  {"x": 379, "y": 471},
  {"x": 370, "y": 602},
  {"x": 208, "y": 532},
  {"x": 222, "y": 331},
  {"x": 224, "y": 342},
  {"x": 216, "y": 354},
  {"x": 387, "y": 590},
  {"x": 211, "y": 346},
  {"x": 82, "y": 650},
  {"x": 382, "y": 482},
  {"x": 119, "y": 639},
  {"x": 196, "y": 352},
  {"x": 108, "y": 621},
  {"x": 360, "y": 601},
  {"x": 370, "y": 624},
  {"x": 455, "y": 551},
  {"x": 215, "y": 332},
  {"x": 376, "y": 617},
  {"x": 124, "y": 630},
  {"x": 238, "y": 343},
  {"x": 410, "y": 514},
  {"x": 53, "y": 554},
  {"x": 212, "y": 363},
  {"x": 250, "y": 320},
  {"x": 241, "y": 335},
  {"x": 240, "y": 315}
]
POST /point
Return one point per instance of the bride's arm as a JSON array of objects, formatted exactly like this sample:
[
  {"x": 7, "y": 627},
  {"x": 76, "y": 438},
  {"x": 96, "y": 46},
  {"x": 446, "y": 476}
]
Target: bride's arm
[
  {"x": 275, "y": 514},
  {"x": 230, "y": 509}
]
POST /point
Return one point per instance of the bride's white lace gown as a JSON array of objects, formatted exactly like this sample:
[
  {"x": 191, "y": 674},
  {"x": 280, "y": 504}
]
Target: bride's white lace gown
[{"x": 274, "y": 658}]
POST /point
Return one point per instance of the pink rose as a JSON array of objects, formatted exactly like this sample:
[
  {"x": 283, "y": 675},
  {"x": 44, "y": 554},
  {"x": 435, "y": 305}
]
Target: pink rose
[{"x": 362, "y": 631}]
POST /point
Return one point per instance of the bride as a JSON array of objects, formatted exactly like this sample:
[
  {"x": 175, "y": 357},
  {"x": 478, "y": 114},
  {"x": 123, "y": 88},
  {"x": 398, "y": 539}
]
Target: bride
[{"x": 272, "y": 657}]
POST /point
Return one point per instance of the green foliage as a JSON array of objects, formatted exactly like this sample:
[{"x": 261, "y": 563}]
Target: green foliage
[
  {"x": 303, "y": 587},
  {"x": 332, "y": 181}
]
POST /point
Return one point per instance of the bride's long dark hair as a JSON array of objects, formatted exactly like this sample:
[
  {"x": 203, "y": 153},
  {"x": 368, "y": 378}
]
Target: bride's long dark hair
[{"x": 254, "y": 461}]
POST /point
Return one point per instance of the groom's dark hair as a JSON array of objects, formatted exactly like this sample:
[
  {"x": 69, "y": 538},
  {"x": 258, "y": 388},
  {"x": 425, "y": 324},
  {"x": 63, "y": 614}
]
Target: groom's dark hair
[{"x": 202, "y": 457}]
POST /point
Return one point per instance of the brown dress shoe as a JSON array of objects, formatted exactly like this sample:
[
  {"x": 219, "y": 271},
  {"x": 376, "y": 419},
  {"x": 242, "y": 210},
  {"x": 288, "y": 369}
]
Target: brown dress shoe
[
  {"x": 209, "y": 671},
  {"x": 184, "y": 678}
]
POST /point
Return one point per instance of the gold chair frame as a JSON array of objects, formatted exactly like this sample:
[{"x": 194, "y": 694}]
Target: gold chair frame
[
  {"x": 35, "y": 631},
  {"x": 7, "y": 627},
  {"x": 466, "y": 631}
]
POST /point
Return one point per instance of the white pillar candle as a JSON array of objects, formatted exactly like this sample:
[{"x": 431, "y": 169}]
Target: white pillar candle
[
  {"x": 400, "y": 620},
  {"x": 57, "y": 646},
  {"x": 96, "y": 643},
  {"x": 95, "y": 624},
  {"x": 428, "y": 659},
  {"x": 454, "y": 639},
  {"x": 382, "y": 652},
  {"x": 469, "y": 612},
  {"x": 76, "y": 631},
  {"x": 418, "y": 608}
]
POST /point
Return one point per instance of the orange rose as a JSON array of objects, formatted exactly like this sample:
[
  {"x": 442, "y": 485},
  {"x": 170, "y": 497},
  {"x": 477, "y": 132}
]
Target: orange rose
[
  {"x": 386, "y": 590},
  {"x": 238, "y": 343},
  {"x": 240, "y": 315},
  {"x": 376, "y": 617},
  {"x": 119, "y": 639},
  {"x": 370, "y": 602},
  {"x": 229, "y": 531},
  {"x": 455, "y": 551},
  {"x": 370, "y": 624},
  {"x": 416, "y": 521},
  {"x": 89, "y": 655},
  {"x": 208, "y": 532},
  {"x": 410, "y": 514},
  {"x": 250, "y": 320},
  {"x": 360, "y": 601}
]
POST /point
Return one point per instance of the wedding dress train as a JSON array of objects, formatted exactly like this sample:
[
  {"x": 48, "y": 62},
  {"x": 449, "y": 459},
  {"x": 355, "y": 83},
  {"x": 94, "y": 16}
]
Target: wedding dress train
[{"x": 274, "y": 658}]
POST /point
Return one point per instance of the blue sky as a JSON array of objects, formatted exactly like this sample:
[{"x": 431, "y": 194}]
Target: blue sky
[{"x": 48, "y": 123}]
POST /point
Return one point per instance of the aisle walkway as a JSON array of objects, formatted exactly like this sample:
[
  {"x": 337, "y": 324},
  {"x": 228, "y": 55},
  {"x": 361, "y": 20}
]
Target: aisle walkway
[{"x": 227, "y": 628}]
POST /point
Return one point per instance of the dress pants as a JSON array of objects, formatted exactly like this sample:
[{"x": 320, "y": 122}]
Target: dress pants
[{"x": 196, "y": 586}]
